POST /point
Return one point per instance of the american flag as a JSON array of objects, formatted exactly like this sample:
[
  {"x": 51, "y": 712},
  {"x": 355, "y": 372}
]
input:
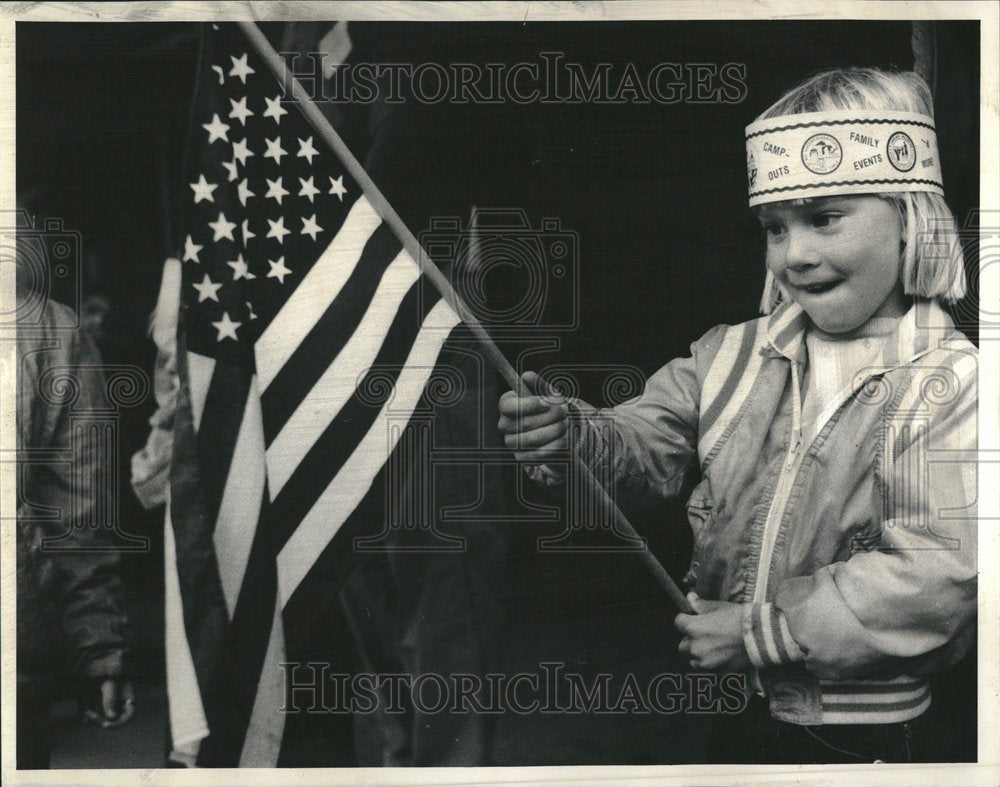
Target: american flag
[{"x": 308, "y": 337}]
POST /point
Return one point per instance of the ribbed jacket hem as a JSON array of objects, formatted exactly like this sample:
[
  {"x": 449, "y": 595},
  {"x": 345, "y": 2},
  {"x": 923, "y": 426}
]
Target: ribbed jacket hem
[{"x": 874, "y": 701}]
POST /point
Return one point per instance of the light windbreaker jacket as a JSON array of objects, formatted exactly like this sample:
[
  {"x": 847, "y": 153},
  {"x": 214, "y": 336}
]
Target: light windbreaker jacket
[{"x": 855, "y": 552}]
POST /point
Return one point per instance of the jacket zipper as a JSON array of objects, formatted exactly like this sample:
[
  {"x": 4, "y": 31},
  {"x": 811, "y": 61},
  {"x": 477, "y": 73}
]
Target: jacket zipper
[
  {"x": 782, "y": 490},
  {"x": 777, "y": 509}
]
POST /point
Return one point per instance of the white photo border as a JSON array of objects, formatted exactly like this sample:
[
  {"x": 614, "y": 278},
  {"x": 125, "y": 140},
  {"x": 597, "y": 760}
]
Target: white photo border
[{"x": 985, "y": 772}]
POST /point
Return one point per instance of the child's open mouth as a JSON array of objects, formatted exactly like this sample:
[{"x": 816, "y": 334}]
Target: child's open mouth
[{"x": 818, "y": 287}]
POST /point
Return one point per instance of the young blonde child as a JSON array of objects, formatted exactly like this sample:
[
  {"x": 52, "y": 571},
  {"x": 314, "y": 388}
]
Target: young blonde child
[{"x": 834, "y": 551}]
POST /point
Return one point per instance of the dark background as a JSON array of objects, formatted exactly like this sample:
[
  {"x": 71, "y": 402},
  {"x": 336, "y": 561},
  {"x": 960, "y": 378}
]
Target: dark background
[{"x": 667, "y": 248}]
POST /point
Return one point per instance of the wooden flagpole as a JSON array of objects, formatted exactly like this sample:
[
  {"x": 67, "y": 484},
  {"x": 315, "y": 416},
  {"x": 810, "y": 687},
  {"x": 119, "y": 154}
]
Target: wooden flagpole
[{"x": 427, "y": 267}]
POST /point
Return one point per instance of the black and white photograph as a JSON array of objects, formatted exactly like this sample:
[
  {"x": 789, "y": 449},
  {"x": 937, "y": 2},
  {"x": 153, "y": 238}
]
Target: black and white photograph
[{"x": 500, "y": 392}]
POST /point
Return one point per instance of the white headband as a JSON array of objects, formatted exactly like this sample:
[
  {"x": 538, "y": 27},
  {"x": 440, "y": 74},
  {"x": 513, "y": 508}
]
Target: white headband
[{"x": 817, "y": 154}]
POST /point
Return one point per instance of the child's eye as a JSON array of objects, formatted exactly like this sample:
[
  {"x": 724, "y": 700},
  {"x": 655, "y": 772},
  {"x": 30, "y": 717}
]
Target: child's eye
[
  {"x": 825, "y": 219},
  {"x": 773, "y": 228}
]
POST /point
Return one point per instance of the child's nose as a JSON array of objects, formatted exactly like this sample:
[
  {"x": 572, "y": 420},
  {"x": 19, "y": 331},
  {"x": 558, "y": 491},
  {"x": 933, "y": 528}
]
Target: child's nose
[{"x": 800, "y": 252}]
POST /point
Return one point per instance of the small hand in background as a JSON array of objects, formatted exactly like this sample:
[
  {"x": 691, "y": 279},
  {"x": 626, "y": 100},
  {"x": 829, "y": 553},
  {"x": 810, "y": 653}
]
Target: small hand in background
[{"x": 108, "y": 702}]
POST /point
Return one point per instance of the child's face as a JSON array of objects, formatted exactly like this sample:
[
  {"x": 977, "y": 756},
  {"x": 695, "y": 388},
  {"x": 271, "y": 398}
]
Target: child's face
[{"x": 838, "y": 258}]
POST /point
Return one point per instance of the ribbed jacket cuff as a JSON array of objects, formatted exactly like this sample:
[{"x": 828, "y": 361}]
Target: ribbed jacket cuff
[
  {"x": 767, "y": 638},
  {"x": 544, "y": 475},
  {"x": 113, "y": 664},
  {"x": 586, "y": 441}
]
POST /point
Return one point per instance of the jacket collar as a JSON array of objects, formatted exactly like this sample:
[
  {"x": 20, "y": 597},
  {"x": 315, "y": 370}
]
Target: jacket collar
[
  {"x": 922, "y": 328},
  {"x": 786, "y": 330}
]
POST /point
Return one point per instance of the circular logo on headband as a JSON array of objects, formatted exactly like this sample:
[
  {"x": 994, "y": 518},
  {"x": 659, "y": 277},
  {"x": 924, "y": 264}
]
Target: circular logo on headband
[
  {"x": 902, "y": 152},
  {"x": 822, "y": 154}
]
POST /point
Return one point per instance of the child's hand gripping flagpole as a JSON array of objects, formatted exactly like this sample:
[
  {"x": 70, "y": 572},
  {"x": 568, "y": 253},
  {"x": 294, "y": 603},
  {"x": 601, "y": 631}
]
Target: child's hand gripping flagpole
[{"x": 322, "y": 126}]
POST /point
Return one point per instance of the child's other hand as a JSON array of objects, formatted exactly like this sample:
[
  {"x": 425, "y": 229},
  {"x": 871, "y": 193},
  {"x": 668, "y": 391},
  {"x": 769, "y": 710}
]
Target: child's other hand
[
  {"x": 713, "y": 638},
  {"x": 533, "y": 426},
  {"x": 108, "y": 702}
]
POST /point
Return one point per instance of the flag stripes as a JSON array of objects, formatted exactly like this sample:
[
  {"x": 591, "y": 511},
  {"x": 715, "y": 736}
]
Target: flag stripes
[
  {"x": 251, "y": 626},
  {"x": 340, "y": 322},
  {"x": 222, "y": 414},
  {"x": 327, "y": 453},
  {"x": 241, "y": 501},
  {"x": 188, "y": 725},
  {"x": 333, "y": 565},
  {"x": 199, "y": 375},
  {"x": 231, "y": 423},
  {"x": 198, "y": 582},
  {"x": 337, "y": 223},
  {"x": 262, "y": 744},
  {"x": 310, "y": 299},
  {"x": 338, "y": 383},
  {"x": 324, "y": 519}
]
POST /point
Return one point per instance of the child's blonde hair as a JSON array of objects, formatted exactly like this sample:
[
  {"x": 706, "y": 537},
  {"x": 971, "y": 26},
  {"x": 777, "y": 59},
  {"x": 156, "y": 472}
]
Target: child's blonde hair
[{"x": 932, "y": 264}]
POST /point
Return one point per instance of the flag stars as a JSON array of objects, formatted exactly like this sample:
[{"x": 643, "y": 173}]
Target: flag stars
[
  {"x": 191, "y": 250},
  {"x": 241, "y": 68},
  {"x": 274, "y": 109},
  {"x": 277, "y": 229},
  {"x": 243, "y": 192},
  {"x": 226, "y": 328},
  {"x": 310, "y": 227},
  {"x": 274, "y": 149},
  {"x": 337, "y": 187},
  {"x": 275, "y": 190},
  {"x": 278, "y": 270},
  {"x": 306, "y": 150},
  {"x": 207, "y": 290},
  {"x": 222, "y": 228},
  {"x": 203, "y": 190},
  {"x": 240, "y": 269},
  {"x": 242, "y": 152},
  {"x": 216, "y": 129},
  {"x": 231, "y": 169},
  {"x": 240, "y": 110},
  {"x": 308, "y": 188}
]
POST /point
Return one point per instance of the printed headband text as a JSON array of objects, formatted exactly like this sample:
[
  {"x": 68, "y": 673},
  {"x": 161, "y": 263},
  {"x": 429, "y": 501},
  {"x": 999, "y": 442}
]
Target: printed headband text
[{"x": 817, "y": 154}]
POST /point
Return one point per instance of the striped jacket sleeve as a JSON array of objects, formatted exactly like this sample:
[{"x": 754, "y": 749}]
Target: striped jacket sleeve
[
  {"x": 768, "y": 641},
  {"x": 648, "y": 445}
]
